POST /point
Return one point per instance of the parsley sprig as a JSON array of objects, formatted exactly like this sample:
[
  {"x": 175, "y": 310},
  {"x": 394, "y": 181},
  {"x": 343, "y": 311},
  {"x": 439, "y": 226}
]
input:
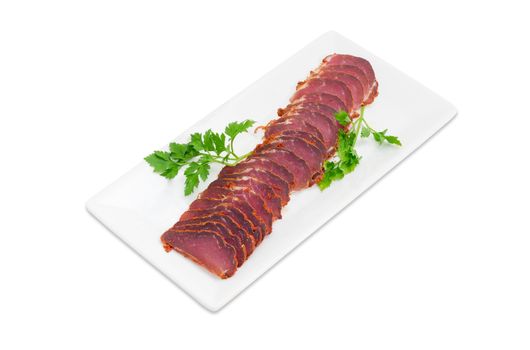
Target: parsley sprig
[
  {"x": 347, "y": 158},
  {"x": 197, "y": 155}
]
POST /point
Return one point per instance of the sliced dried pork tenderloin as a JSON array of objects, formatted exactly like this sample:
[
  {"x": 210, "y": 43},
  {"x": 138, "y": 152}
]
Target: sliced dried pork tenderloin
[
  {"x": 226, "y": 225},
  {"x": 224, "y": 232},
  {"x": 261, "y": 197},
  {"x": 254, "y": 211},
  {"x": 229, "y": 219},
  {"x": 282, "y": 125},
  {"x": 354, "y": 71},
  {"x": 308, "y": 137},
  {"x": 317, "y": 108},
  {"x": 213, "y": 198},
  {"x": 294, "y": 164},
  {"x": 302, "y": 149},
  {"x": 327, "y": 128},
  {"x": 363, "y": 64},
  {"x": 271, "y": 200},
  {"x": 329, "y": 100},
  {"x": 245, "y": 243},
  {"x": 206, "y": 248},
  {"x": 354, "y": 86},
  {"x": 279, "y": 186},
  {"x": 266, "y": 166},
  {"x": 232, "y": 212},
  {"x": 329, "y": 86}
]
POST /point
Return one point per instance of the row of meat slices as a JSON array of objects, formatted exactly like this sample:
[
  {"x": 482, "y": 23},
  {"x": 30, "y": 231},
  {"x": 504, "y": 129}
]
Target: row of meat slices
[{"x": 228, "y": 220}]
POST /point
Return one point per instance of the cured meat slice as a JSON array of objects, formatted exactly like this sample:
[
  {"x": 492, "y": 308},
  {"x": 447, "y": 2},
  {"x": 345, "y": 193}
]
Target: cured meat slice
[
  {"x": 301, "y": 148},
  {"x": 234, "y": 214},
  {"x": 354, "y": 86},
  {"x": 259, "y": 195},
  {"x": 361, "y": 63},
  {"x": 308, "y": 137},
  {"x": 259, "y": 183},
  {"x": 272, "y": 167},
  {"x": 205, "y": 248},
  {"x": 212, "y": 199},
  {"x": 296, "y": 166},
  {"x": 329, "y": 86},
  {"x": 357, "y": 73},
  {"x": 229, "y": 219},
  {"x": 318, "y": 108},
  {"x": 329, "y": 129},
  {"x": 331, "y": 101},
  {"x": 279, "y": 126},
  {"x": 229, "y": 224},
  {"x": 279, "y": 186},
  {"x": 364, "y": 65},
  {"x": 223, "y": 231}
]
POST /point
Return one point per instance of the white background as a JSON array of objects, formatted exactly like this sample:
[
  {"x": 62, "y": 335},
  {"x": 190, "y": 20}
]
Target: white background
[{"x": 434, "y": 256}]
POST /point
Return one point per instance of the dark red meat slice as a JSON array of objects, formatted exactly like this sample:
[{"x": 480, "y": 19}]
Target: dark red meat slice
[
  {"x": 329, "y": 129},
  {"x": 223, "y": 231},
  {"x": 295, "y": 165},
  {"x": 308, "y": 137},
  {"x": 354, "y": 86},
  {"x": 267, "y": 200},
  {"x": 272, "y": 167},
  {"x": 278, "y": 185},
  {"x": 364, "y": 65},
  {"x": 314, "y": 107},
  {"x": 329, "y": 86},
  {"x": 322, "y": 98},
  {"x": 303, "y": 149},
  {"x": 281, "y": 125},
  {"x": 353, "y": 71},
  {"x": 210, "y": 199},
  {"x": 258, "y": 195},
  {"x": 205, "y": 248},
  {"x": 229, "y": 224},
  {"x": 234, "y": 214},
  {"x": 272, "y": 200}
]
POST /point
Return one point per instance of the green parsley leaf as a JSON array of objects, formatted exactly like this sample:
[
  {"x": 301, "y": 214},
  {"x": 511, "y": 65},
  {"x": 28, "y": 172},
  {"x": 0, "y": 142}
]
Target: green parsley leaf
[
  {"x": 235, "y": 128},
  {"x": 343, "y": 118},
  {"x": 192, "y": 182},
  {"x": 204, "y": 171},
  {"x": 178, "y": 150},
  {"x": 162, "y": 164},
  {"x": 195, "y": 171},
  {"x": 392, "y": 140},
  {"x": 350, "y": 163},
  {"x": 365, "y": 132},
  {"x": 208, "y": 141},
  {"x": 379, "y": 136},
  {"x": 196, "y": 141},
  {"x": 347, "y": 158},
  {"x": 204, "y": 168},
  {"x": 345, "y": 143},
  {"x": 197, "y": 155},
  {"x": 158, "y": 160},
  {"x": 171, "y": 171},
  {"x": 332, "y": 172},
  {"x": 219, "y": 142}
]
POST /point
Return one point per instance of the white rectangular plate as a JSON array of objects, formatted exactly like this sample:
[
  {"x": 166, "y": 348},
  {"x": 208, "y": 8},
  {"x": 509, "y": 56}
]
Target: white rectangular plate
[{"x": 141, "y": 205}]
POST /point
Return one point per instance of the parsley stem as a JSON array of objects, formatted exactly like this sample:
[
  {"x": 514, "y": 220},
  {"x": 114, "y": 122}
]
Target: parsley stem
[
  {"x": 231, "y": 151},
  {"x": 215, "y": 157},
  {"x": 238, "y": 159},
  {"x": 230, "y": 161},
  {"x": 368, "y": 126},
  {"x": 357, "y": 126}
]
